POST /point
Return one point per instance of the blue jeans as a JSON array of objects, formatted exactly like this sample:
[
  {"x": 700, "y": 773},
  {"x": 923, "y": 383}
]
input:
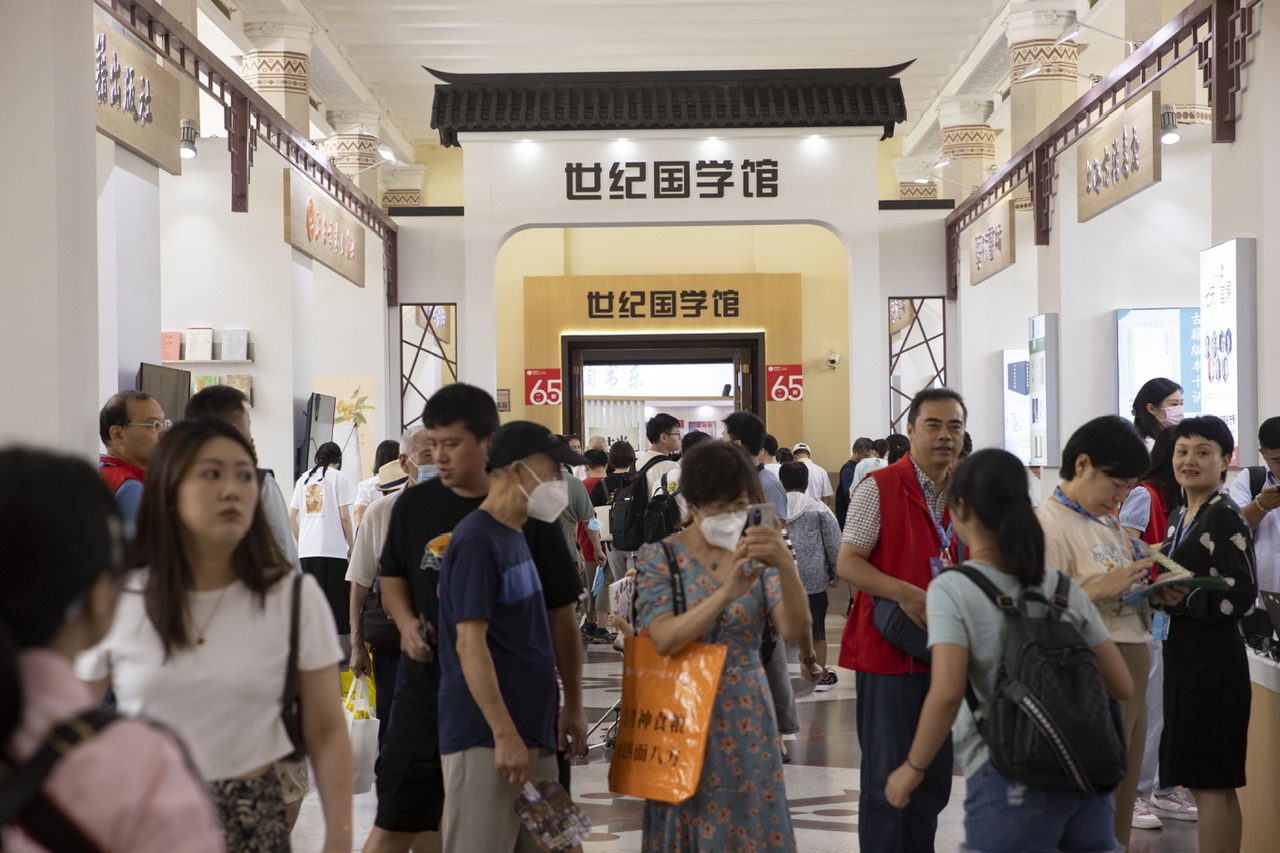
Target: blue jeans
[
  {"x": 888, "y": 713},
  {"x": 1002, "y": 816}
]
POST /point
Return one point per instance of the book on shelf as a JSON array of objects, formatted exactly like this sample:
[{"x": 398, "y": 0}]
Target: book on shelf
[
  {"x": 199, "y": 343},
  {"x": 170, "y": 346},
  {"x": 199, "y": 383},
  {"x": 235, "y": 344},
  {"x": 242, "y": 382}
]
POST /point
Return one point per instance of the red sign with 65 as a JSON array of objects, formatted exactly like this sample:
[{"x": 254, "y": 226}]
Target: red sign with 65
[
  {"x": 542, "y": 387},
  {"x": 786, "y": 383}
]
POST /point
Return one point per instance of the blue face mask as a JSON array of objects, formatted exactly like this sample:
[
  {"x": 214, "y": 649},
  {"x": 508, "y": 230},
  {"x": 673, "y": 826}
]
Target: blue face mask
[{"x": 427, "y": 472}]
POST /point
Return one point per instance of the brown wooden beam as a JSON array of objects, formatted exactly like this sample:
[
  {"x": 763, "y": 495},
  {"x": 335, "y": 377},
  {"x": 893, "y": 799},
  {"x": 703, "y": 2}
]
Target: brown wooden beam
[{"x": 238, "y": 144}]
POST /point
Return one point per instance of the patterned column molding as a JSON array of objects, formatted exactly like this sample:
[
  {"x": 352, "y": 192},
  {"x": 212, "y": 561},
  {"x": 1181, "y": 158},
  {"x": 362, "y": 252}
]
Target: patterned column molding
[
  {"x": 280, "y": 58},
  {"x": 908, "y": 170},
  {"x": 911, "y": 192},
  {"x": 403, "y": 186},
  {"x": 354, "y": 145},
  {"x": 1031, "y": 29},
  {"x": 965, "y": 132}
]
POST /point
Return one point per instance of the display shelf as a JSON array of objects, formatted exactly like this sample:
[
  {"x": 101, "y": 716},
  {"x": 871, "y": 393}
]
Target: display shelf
[{"x": 210, "y": 361}]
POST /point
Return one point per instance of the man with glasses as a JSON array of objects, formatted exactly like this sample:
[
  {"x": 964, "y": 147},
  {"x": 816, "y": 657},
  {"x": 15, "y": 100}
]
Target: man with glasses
[
  {"x": 130, "y": 426},
  {"x": 663, "y": 433}
]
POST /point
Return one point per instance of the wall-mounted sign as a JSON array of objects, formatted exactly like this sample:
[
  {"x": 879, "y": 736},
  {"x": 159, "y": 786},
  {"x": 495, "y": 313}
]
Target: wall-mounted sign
[
  {"x": 137, "y": 98},
  {"x": 661, "y": 304},
  {"x": 637, "y": 179},
  {"x": 542, "y": 387},
  {"x": 503, "y": 397},
  {"x": 322, "y": 230},
  {"x": 991, "y": 243},
  {"x": 785, "y": 383},
  {"x": 1227, "y": 380},
  {"x": 1118, "y": 158},
  {"x": 1043, "y": 385},
  {"x": 1017, "y": 402},
  {"x": 1152, "y": 342}
]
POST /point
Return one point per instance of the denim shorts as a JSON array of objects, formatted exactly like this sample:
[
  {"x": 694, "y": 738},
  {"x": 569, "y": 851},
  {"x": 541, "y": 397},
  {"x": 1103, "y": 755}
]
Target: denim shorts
[{"x": 1003, "y": 816}]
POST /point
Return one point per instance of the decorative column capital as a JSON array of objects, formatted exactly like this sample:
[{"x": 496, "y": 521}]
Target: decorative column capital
[
  {"x": 909, "y": 169},
  {"x": 1038, "y": 21},
  {"x": 965, "y": 110},
  {"x": 279, "y": 32},
  {"x": 402, "y": 185},
  {"x": 354, "y": 147}
]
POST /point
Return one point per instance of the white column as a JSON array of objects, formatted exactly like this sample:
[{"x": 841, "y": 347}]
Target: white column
[
  {"x": 403, "y": 186},
  {"x": 968, "y": 142},
  {"x": 279, "y": 65},
  {"x": 303, "y": 346},
  {"x": 1033, "y": 30},
  {"x": 48, "y": 329},
  {"x": 353, "y": 147},
  {"x": 910, "y": 171}
]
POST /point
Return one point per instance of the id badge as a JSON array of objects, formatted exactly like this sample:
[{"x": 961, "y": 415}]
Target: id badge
[
  {"x": 936, "y": 566},
  {"x": 1160, "y": 625}
]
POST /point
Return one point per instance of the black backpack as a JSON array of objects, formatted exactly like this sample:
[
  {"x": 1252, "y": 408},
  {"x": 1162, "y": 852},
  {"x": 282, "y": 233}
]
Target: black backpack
[
  {"x": 1257, "y": 479},
  {"x": 1051, "y": 723},
  {"x": 626, "y": 513},
  {"x": 662, "y": 514}
]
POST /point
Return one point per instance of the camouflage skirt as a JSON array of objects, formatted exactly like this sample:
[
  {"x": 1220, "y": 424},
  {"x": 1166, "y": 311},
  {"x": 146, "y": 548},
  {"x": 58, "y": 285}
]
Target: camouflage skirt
[{"x": 252, "y": 814}]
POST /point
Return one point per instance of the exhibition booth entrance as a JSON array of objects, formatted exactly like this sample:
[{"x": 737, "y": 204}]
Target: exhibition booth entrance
[{"x": 614, "y": 383}]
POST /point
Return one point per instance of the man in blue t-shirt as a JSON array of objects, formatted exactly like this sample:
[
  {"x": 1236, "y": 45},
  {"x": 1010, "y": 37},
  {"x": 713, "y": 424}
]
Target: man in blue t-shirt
[{"x": 497, "y": 662}]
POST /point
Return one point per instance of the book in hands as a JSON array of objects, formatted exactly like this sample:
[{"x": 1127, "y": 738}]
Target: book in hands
[{"x": 1180, "y": 578}]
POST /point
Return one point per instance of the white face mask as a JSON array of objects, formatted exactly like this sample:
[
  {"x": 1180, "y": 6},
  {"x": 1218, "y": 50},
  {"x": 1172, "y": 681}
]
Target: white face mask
[
  {"x": 723, "y": 530},
  {"x": 548, "y": 499},
  {"x": 427, "y": 472},
  {"x": 1172, "y": 416}
]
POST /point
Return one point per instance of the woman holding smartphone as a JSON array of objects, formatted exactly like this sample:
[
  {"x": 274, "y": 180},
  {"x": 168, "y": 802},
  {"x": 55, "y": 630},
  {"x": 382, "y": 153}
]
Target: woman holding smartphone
[{"x": 728, "y": 595}]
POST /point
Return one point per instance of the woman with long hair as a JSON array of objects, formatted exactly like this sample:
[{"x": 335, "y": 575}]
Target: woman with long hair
[
  {"x": 992, "y": 513},
  {"x": 728, "y": 600},
  {"x": 1206, "y": 671},
  {"x": 320, "y": 512},
  {"x": 128, "y": 786},
  {"x": 1157, "y": 405},
  {"x": 202, "y": 641},
  {"x": 367, "y": 492}
]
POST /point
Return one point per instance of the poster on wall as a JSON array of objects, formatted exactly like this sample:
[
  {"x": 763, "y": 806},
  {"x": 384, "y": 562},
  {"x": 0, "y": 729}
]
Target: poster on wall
[
  {"x": 1155, "y": 342},
  {"x": 1016, "y": 376},
  {"x": 785, "y": 382},
  {"x": 542, "y": 387},
  {"x": 355, "y": 429},
  {"x": 1227, "y": 378},
  {"x": 1043, "y": 388}
]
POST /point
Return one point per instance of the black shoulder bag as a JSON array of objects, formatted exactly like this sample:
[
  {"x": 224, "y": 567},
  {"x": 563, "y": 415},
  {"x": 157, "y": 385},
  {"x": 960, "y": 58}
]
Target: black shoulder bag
[{"x": 291, "y": 703}]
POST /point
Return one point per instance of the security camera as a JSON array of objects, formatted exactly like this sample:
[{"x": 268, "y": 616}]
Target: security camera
[{"x": 833, "y": 358}]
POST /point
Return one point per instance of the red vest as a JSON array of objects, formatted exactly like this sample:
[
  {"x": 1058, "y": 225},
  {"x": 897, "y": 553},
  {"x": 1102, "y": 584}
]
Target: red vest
[
  {"x": 908, "y": 540},
  {"x": 115, "y": 471},
  {"x": 1158, "y": 522}
]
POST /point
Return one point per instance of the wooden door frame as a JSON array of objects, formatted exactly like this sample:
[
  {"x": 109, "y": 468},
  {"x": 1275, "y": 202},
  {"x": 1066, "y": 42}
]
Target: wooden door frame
[{"x": 629, "y": 347}]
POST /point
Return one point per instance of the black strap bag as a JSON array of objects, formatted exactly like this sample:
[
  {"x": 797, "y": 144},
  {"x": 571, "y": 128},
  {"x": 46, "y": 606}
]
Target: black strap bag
[{"x": 626, "y": 512}]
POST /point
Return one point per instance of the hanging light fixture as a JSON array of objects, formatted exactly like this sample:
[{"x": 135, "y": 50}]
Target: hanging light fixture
[
  {"x": 1169, "y": 133},
  {"x": 187, "y": 139}
]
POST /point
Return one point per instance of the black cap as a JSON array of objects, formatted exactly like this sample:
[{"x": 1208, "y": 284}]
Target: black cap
[{"x": 521, "y": 439}]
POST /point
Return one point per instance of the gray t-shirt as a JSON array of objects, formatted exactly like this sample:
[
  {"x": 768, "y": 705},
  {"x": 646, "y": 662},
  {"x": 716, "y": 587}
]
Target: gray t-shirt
[{"x": 960, "y": 613}]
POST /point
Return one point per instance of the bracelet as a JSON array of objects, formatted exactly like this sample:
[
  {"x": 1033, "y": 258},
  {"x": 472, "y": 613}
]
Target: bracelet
[
  {"x": 1258, "y": 503},
  {"x": 913, "y": 767}
]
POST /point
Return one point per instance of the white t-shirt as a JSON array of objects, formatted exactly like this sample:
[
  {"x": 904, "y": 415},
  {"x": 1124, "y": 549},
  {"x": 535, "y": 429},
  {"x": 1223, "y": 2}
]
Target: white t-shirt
[
  {"x": 223, "y": 696},
  {"x": 1266, "y": 538},
  {"x": 819, "y": 481},
  {"x": 656, "y": 472},
  {"x": 367, "y": 492},
  {"x": 317, "y": 498}
]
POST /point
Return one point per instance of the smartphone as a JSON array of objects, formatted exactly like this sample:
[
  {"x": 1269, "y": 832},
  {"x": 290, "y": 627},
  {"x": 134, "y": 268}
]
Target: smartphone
[{"x": 761, "y": 515}]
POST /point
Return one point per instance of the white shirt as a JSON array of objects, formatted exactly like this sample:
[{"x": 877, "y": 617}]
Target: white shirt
[
  {"x": 1266, "y": 537},
  {"x": 317, "y": 498},
  {"x": 223, "y": 696},
  {"x": 819, "y": 481},
  {"x": 655, "y": 473},
  {"x": 367, "y": 492}
]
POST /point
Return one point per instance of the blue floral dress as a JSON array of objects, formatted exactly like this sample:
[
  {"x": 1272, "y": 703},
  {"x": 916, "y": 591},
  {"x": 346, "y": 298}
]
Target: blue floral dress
[{"x": 741, "y": 801}]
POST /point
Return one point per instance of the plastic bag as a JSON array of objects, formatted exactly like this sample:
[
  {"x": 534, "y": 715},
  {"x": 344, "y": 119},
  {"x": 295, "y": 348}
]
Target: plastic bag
[{"x": 363, "y": 727}]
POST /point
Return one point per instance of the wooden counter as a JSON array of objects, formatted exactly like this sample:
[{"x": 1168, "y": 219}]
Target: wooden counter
[{"x": 1260, "y": 798}]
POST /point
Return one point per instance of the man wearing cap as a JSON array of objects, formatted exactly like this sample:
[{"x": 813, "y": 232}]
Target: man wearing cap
[
  {"x": 497, "y": 661},
  {"x": 413, "y": 466},
  {"x": 819, "y": 481}
]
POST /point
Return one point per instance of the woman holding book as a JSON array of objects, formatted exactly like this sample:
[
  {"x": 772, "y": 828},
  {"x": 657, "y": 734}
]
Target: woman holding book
[{"x": 1206, "y": 677}]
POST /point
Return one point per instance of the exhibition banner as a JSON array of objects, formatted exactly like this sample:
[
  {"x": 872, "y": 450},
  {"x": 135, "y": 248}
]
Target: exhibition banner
[{"x": 1227, "y": 380}]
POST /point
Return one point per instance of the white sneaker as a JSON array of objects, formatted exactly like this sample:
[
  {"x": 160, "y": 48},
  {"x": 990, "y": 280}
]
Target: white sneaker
[
  {"x": 1175, "y": 805},
  {"x": 1142, "y": 816}
]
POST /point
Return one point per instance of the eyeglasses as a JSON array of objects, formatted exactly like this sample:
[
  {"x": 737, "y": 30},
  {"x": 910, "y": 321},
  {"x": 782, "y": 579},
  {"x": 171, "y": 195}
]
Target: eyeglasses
[
  {"x": 155, "y": 426},
  {"x": 676, "y": 433}
]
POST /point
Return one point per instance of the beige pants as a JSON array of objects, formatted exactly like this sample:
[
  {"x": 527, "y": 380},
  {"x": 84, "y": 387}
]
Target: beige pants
[
  {"x": 1137, "y": 658},
  {"x": 479, "y": 805}
]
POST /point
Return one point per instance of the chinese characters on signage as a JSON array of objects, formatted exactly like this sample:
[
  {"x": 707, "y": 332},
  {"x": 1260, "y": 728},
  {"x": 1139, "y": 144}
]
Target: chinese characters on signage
[
  {"x": 542, "y": 387},
  {"x": 330, "y": 233},
  {"x": 128, "y": 91},
  {"x": 1225, "y": 336},
  {"x": 1118, "y": 158},
  {"x": 315, "y": 225},
  {"x": 786, "y": 382},
  {"x": 659, "y": 304},
  {"x": 991, "y": 247},
  {"x": 641, "y": 721},
  {"x": 659, "y": 179}
]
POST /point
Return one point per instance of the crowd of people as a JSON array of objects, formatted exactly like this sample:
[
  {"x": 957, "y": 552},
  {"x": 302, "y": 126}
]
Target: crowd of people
[{"x": 172, "y": 628}]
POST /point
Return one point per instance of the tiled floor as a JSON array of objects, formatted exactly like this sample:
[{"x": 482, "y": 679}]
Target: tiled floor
[{"x": 822, "y": 780}]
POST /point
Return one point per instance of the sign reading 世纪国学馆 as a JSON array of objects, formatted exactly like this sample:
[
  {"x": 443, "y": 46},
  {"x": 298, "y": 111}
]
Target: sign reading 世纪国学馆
[
  {"x": 991, "y": 243},
  {"x": 670, "y": 179},
  {"x": 661, "y": 304},
  {"x": 1118, "y": 158},
  {"x": 137, "y": 98},
  {"x": 318, "y": 227}
]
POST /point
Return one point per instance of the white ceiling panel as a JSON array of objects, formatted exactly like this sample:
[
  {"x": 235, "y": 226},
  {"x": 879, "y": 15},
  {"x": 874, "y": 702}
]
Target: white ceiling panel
[{"x": 388, "y": 41}]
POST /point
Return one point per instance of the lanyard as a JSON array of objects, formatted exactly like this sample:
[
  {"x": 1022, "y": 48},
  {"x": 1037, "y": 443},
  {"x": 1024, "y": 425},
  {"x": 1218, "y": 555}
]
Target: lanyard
[
  {"x": 1075, "y": 507},
  {"x": 944, "y": 534},
  {"x": 1184, "y": 523}
]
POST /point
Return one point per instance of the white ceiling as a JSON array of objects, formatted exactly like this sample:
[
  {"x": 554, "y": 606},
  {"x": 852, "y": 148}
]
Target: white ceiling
[{"x": 388, "y": 41}]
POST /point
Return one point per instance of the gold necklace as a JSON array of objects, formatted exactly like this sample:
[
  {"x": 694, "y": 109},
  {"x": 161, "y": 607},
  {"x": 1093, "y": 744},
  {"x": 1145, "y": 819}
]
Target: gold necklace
[{"x": 212, "y": 613}]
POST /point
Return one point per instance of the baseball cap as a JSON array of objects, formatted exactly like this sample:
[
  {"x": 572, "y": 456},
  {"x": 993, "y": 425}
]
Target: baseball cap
[
  {"x": 802, "y": 448},
  {"x": 521, "y": 439}
]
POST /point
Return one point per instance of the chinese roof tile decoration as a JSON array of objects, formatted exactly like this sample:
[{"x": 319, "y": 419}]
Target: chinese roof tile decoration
[{"x": 819, "y": 97}]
